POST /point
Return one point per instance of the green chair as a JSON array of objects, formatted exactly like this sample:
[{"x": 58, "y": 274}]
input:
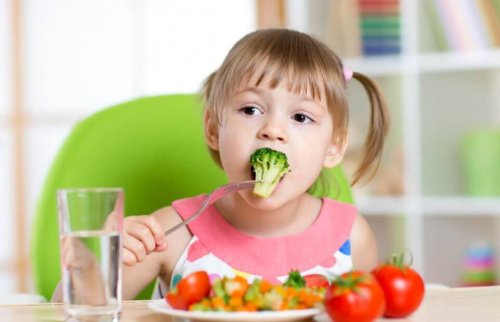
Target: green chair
[{"x": 152, "y": 147}]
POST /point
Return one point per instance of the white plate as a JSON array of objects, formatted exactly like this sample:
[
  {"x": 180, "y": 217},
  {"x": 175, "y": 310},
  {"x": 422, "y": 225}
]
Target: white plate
[{"x": 271, "y": 316}]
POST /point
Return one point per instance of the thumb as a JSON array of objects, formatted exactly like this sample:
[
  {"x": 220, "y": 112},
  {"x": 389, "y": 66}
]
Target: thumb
[{"x": 161, "y": 247}]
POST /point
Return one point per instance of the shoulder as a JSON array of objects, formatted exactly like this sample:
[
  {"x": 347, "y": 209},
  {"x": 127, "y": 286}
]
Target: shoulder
[
  {"x": 179, "y": 210},
  {"x": 342, "y": 213},
  {"x": 363, "y": 245},
  {"x": 339, "y": 206},
  {"x": 168, "y": 217}
]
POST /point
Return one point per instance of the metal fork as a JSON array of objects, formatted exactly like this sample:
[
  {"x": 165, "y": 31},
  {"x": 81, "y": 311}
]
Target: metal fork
[{"x": 213, "y": 197}]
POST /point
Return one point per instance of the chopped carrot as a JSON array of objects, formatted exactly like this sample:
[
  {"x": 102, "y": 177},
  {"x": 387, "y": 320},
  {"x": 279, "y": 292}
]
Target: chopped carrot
[
  {"x": 291, "y": 291},
  {"x": 238, "y": 286},
  {"x": 217, "y": 302},
  {"x": 236, "y": 302},
  {"x": 265, "y": 286},
  {"x": 249, "y": 306}
]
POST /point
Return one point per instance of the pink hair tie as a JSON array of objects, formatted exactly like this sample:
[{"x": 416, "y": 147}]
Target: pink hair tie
[{"x": 347, "y": 74}]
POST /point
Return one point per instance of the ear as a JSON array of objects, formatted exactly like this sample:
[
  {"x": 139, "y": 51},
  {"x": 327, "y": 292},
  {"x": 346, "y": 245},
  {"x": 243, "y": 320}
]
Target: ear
[
  {"x": 211, "y": 130},
  {"x": 334, "y": 154}
]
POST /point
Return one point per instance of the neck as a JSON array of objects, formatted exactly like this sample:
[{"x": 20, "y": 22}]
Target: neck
[{"x": 290, "y": 218}]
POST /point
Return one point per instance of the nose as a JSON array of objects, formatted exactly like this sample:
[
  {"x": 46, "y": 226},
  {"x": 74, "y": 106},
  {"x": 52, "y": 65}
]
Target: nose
[{"x": 273, "y": 130}]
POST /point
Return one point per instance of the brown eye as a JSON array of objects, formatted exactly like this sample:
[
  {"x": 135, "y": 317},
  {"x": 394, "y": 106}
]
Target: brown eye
[
  {"x": 302, "y": 118},
  {"x": 250, "y": 110}
]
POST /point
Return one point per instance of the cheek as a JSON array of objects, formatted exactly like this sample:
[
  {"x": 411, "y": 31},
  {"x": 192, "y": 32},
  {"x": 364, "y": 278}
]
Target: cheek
[
  {"x": 310, "y": 158},
  {"x": 231, "y": 139},
  {"x": 234, "y": 151},
  {"x": 310, "y": 163}
]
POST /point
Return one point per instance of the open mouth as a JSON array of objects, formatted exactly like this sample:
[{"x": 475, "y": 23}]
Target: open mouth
[{"x": 253, "y": 176}]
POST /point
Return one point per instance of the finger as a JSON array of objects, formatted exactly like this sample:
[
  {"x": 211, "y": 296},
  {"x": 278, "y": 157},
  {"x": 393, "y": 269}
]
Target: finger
[
  {"x": 155, "y": 227},
  {"x": 142, "y": 233},
  {"x": 160, "y": 248},
  {"x": 135, "y": 246},
  {"x": 129, "y": 258}
]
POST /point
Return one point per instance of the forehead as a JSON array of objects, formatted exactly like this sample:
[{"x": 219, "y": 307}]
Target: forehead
[{"x": 306, "y": 84}]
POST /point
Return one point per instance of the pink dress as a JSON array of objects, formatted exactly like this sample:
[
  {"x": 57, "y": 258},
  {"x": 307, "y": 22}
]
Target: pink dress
[{"x": 221, "y": 250}]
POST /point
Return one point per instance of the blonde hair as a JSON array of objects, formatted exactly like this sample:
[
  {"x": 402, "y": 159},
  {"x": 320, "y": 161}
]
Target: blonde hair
[{"x": 308, "y": 66}]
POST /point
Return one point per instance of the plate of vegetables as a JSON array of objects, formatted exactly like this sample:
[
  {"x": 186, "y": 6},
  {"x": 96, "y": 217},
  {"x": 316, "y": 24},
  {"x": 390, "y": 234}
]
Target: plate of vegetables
[{"x": 235, "y": 299}]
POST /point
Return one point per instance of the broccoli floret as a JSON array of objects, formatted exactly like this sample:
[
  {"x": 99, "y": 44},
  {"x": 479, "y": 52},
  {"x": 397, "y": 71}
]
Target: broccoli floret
[
  {"x": 295, "y": 280},
  {"x": 269, "y": 167}
]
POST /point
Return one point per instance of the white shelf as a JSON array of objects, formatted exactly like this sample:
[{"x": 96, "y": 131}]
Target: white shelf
[
  {"x": 376, "y": 66},
  {"x": 461, "y": 206},
  {"x": 426, "y": 63},
  {"x": 430, "y": 206},
  {"x": 389, "y": 206},
  {"x": 458, "y": 61}
]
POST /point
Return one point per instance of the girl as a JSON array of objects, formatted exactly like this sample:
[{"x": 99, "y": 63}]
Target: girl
[{"x": 283, "y": 90}]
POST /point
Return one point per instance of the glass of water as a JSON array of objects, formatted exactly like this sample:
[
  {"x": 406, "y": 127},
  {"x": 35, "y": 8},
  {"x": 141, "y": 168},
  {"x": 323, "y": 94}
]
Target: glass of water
[{"x": 90, "y": 232}]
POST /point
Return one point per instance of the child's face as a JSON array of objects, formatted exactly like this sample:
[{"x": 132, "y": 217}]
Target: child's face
[{"x": 295, "y": 124}]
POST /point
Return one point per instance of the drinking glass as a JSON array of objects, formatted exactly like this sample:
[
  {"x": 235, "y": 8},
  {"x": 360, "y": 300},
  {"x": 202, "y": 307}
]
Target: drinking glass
[{"x": 90, "y": 239}]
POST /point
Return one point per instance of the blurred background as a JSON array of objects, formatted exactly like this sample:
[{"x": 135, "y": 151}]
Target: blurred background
[{"x": 438, "y": 188}]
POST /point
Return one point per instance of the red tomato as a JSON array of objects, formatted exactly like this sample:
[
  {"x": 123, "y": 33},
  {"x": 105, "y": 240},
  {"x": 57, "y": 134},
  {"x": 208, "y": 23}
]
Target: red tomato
[
  {"x": 190, "y": 289},
  {"x": 354, "y": 297},
  {"x": 316, "y": 280},
  {"x": 176, "y": 301},
  {"x": 403, "y": 288}
]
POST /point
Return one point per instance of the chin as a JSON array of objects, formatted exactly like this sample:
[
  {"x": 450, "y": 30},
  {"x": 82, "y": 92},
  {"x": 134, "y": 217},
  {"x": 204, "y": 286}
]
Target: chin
[{"x": 264, "y": 204}]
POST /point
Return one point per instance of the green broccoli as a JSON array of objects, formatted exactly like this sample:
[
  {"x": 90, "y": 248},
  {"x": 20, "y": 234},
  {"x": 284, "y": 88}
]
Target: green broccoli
[
  {"x": 269, "y": 167},
  {"x": 295, "y": 280}
]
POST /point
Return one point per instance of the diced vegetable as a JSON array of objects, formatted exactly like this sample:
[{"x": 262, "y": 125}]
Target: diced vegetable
[
  {"x": 295, "y": 280},
  {"x": 236, "y": 294}
]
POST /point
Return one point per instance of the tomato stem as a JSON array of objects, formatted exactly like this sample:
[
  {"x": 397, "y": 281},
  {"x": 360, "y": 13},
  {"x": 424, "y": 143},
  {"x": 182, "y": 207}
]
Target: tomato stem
[
  {"x": 410, "y": 254},
  {"x": 401, "y": 260}
]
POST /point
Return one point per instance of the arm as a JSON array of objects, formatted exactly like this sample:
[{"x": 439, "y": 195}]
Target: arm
[
  {"x": 363, "y": 245},
  {"x": 143, "y": 264}
]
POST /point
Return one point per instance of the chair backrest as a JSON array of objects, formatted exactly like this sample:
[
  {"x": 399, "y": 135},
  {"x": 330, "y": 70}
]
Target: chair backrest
[{"x": 152, "y": 147}]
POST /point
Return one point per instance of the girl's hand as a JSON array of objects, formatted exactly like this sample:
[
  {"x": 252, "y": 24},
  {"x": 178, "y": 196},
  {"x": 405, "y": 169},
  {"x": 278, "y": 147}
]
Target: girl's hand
[{"x": 142, "y": 235}]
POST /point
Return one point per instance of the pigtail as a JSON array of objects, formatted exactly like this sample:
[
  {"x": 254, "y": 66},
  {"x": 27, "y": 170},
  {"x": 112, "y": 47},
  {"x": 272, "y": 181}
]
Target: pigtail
[{"x": 377, "y": 132}]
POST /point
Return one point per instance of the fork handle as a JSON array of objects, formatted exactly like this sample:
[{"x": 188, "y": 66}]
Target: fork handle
[
  {"x": 174, "y": 228},
  {"x": 210, "y": 199},
  {"x": 187, "y": 221}
]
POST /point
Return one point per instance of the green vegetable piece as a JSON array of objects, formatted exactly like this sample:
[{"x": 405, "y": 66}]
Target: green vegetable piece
[
  {"x": 200, "y": 307},
  {"x": 269, "y": 167},
  {"x": 295, "y": 280},
  {"x": 254, "y": 295},
  {"x": 253, "y": 292},
  {"x": 220, "y": 289}
]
